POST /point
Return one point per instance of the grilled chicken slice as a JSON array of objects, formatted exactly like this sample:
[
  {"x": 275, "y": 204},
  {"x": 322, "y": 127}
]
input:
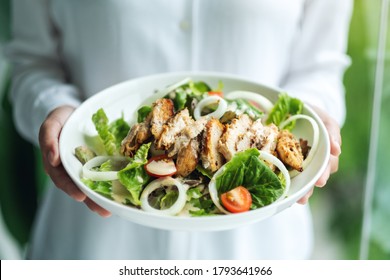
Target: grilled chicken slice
[
  {"x": 188, "y": 158},
  {"x": 138, "y": 134},
  {"x": 268, "y": 138},
  {"x": 289, "y": 150},
  {"x": 211, "y": 158},
  {"x": 162, "y": 111},
  {"x": 245, "y": 141},
  {"x": 192, "y": 130},
  {"x": 234, "y": 132},
  {"x": 172, "y": 129}
]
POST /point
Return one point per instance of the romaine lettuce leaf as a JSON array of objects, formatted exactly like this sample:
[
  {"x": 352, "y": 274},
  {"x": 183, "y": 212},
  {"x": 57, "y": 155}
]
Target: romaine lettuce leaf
[
  {"x": 246, "y": 169},
  {"x": 285, "y": 106},
  {"x": 203, "y": 204},
  {"x": 134, "y": 176},
  {"x": 204, "y": 171},
  {"x": 168, "y": 199},
  {"x": 102, "y": 187},
  {"x": 112, "y": 133},
  {"x": 240, "y": 106},
  {"x": 143, "y": 112},
  {"x": 184, "y": 95},
  {"x": 119, "y": 129}
]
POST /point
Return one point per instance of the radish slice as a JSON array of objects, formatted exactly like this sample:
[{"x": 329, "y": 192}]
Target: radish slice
[
  {"x": 264, "y": 156},
  {"x": 264, "y": 103},
  {"x": 160, "y": 183},
  {"x": 222, "y": 106},
  {"x": 101, "y": 175},
  {"x": 314, "y": 145},
  {"x": 160, "y": 166}
]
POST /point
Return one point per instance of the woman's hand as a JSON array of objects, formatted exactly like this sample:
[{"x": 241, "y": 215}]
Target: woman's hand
[
  {"x": 335, "y": 150},
  {"x": 49, "y": 134}
]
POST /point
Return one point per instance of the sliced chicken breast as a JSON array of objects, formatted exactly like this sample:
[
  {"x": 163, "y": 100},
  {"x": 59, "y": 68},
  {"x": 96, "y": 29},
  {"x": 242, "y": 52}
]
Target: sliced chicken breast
[
  {"x": 138, "y": 134},
  {"x": 234, "y": 132},
  {"x": 162, "y": 111},
  {"x": 172, "y": 129},
  {"x": 188, "y": 158},
  {"x": 211, "y": 158}
]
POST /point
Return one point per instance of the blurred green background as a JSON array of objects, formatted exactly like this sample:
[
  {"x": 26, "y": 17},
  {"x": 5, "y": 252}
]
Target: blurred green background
[{"x": 338, "y": 209}]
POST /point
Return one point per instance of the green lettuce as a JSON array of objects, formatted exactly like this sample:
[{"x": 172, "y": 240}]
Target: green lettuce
[
  {"x": 204, "y": 171},
  {"x": 203, "y": 202},
  {"x": 248, "y": 170},
  {"x": 143, "y": 112},
  {"x": 111, "y": 134},
  {"x": 184, "y": 95},
  {"x": 243, "y": 106},
  {"x": 84, "y": 154},
  {"x": 102, "y": 187},
  {"x": 285, "y": 107},
  {"x": 134, "y": 176},
  {"x": 119, "y": 129}
]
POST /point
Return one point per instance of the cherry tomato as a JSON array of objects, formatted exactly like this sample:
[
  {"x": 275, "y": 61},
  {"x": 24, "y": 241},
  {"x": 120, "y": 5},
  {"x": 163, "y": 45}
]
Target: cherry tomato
[
  {"x": 237, "y": 200},
  {"x": 160, "y": 166},
  {"x": 217, "y": 93}
]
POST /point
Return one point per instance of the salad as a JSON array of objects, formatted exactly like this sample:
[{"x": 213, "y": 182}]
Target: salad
[{"x": 196, "y": 150}]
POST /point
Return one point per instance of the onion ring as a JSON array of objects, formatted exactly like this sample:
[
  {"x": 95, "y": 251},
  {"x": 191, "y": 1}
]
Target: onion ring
[
  {"x": 264, "y": 102},
  {"x": 101, "y": 175},
  {"x": 161, "y": 182},
  {"x": 222, "y": 106},
  {"x": 314, "y": 145}
]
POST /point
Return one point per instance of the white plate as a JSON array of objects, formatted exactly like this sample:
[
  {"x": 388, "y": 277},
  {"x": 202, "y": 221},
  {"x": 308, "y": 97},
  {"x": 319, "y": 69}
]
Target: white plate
[{"x": 126, "y": 98}]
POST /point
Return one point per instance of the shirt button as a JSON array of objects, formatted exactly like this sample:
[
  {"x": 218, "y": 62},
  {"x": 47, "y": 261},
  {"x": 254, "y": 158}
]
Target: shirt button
[{"x": 184, "y": 25}]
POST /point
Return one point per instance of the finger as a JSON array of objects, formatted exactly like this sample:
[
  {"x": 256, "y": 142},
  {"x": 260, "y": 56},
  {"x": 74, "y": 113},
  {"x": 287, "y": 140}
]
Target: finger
[
  {"x": 306, "y": 197},
  {"x": 48, "y": 141},
  {"x": 324, "y": 177},
  {"x": 334, "y": 163},
  {"x": 96, "y": 208},
  {"x": 333, "y": 129},
  {"x": 62, "y": 180},
  {"x": 334, "y": 137}
]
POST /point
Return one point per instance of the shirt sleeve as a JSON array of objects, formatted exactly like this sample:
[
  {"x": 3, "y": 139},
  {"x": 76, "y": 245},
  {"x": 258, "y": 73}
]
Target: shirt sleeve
[
  {"x": 39, "y": 80},
  {"x": 319, "y": 59}
]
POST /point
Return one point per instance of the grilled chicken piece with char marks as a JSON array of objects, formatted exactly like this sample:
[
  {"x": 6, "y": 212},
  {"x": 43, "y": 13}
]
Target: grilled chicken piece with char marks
[
  {"x": 162, "y": 111},
  {"x": 138, "y": 134},
  {"x": 233, "y": 134},
  {"x": 192, "y": 130},
  {"x": 289, "y": 150},
  {"x": 211, "y": 158},
  {"x": 172, "y": 129},
  {"x": 188, "y": 158}
]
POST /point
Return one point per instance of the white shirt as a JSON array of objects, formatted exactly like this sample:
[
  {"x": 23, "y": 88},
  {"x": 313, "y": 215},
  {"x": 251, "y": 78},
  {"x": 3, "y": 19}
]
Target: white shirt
[{"x": 65, "y": 51}]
